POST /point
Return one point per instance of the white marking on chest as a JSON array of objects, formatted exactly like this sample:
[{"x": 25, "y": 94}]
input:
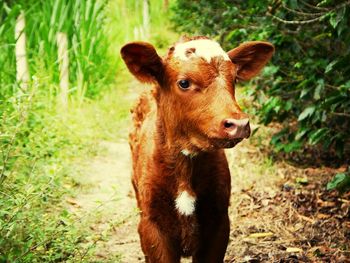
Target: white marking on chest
[
  {"x": 188, "y": 153},
  {"x": 204, "y": 48},
  {"x": 185, "y": 203}
]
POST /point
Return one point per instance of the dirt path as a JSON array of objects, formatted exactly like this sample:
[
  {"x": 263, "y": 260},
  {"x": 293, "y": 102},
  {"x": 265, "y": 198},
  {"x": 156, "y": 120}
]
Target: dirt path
[
  {"x": 273, "y": 218},
  {"x": 108, "y": 198}
]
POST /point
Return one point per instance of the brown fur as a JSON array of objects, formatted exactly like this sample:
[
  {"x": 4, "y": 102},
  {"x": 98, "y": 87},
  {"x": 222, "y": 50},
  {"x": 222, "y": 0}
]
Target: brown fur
[{"x": 168, "y": 120}]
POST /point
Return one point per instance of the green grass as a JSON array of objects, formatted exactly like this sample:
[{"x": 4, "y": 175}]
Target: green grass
[
  {"x": 41, "y": 143},
  {"x": 46, "y": 144}
]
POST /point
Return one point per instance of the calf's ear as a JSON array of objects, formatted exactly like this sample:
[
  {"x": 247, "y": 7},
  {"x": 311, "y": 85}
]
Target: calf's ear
[
  {"x": 250, "y": 58},
  {"x": 143, "y": 62}
]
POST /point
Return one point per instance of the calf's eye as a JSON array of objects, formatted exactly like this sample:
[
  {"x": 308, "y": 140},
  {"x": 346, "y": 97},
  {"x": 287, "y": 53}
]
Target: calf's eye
[{"x": 184, "y": 84}]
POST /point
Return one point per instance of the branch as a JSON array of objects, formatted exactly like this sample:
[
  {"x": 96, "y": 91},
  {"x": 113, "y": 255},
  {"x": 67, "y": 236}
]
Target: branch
[
  {"x": 304, "y": 22},
  {"x": 342, "y": 5},
  {"x": 332, "y": 87},
  {"x": 303, "y": 13},
  {"x": 296, "y": 22},
  {"x": 314, "y": 7},
  {"x": 343, "y": 114},
  {"x": 324, "y": 8}
]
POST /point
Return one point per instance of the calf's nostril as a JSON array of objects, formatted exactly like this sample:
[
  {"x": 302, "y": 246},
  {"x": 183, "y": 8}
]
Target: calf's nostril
[
  {"x": 236, "y": 128},
  {"x": 228, "y": 124}
]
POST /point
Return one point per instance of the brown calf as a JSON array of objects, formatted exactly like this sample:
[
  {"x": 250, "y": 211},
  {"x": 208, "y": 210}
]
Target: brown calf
[{"x": 180, "y": 173}]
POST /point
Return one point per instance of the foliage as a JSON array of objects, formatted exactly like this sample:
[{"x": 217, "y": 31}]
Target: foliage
[
  {"x": 306, "y": 87},
  {"x": 35, "y": 144},
  {"x": 82, "y": 20},
  {"x": 39, "y": 142},
  {"x": 130, "y": 15},
  {"x": 34, "y": 148},
  {"x": 340, "y": 181},
  {"x": 38, "y": 149}
]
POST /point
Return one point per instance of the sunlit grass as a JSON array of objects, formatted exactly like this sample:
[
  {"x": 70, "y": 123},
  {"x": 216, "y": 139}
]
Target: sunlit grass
[{"x": 41, "y": 142}]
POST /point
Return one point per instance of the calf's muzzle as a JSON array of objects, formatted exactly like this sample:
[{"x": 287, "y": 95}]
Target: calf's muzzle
[{"x": 236, "y": 128}]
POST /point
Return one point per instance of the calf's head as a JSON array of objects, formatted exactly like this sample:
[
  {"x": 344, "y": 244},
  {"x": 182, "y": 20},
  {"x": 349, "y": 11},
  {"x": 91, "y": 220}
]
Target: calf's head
[{"x": 195, "y": 85}]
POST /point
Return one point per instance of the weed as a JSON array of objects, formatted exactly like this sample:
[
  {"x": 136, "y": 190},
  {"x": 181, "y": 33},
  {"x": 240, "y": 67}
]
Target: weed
[{"x": 40, "y": 143}]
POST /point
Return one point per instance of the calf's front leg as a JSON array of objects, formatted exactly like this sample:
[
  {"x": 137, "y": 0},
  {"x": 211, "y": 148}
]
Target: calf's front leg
[
  {"x": 213, "y": 240},
  {"x": 157, "y": 247}
]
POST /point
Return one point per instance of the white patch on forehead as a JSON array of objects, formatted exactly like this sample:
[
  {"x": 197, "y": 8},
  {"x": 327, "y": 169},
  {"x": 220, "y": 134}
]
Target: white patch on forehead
[
  {"x": 204, "y": 48},
  {"x": 185, "y": 203}
]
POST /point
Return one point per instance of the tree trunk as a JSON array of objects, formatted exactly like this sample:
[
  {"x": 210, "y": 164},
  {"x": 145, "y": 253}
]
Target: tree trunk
[
  {"x": 146, "y": 19},
  {"x": 166, "y": 4},
  {"x": 22, "y": 74},
  {"x": 63, "y": 60}
]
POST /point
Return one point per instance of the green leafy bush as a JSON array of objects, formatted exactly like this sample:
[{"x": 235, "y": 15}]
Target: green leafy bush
[
  {"x": 340, "y": 182},
  {"x": 34, "y": 150},
  {"x": 307, "y": 86}
]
